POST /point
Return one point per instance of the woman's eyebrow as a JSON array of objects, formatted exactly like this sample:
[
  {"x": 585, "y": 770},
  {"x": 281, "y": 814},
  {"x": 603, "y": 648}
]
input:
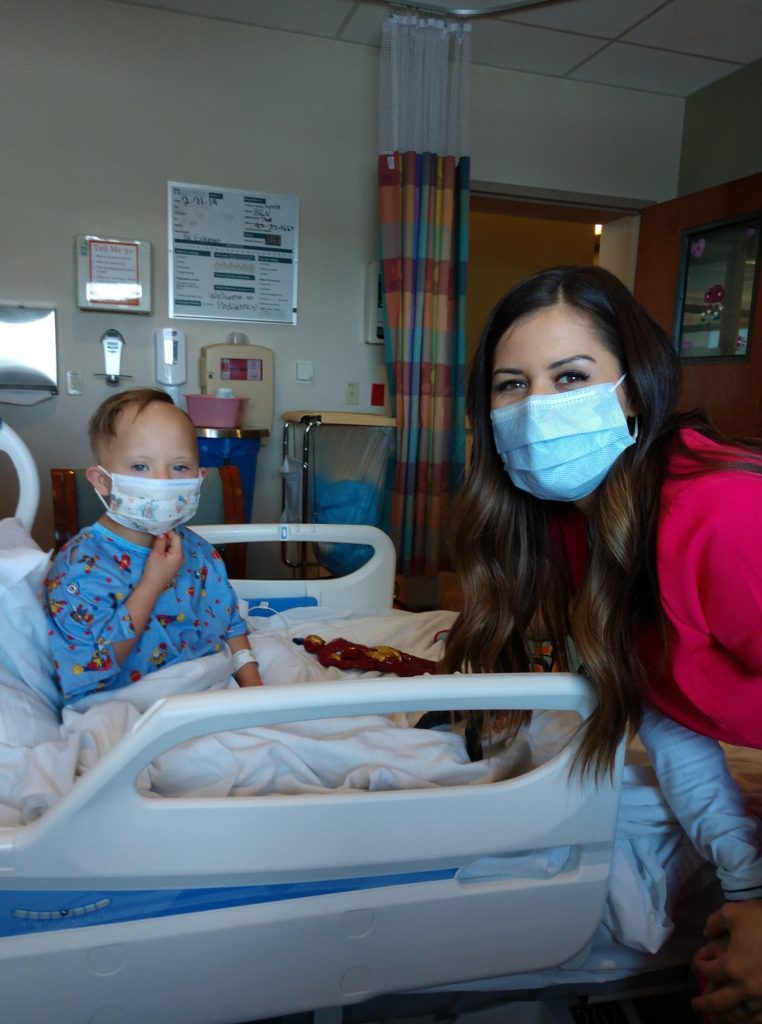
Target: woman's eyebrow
[
  {"x": 569, "y": 359},
  {"x": 551, "y": 366}
]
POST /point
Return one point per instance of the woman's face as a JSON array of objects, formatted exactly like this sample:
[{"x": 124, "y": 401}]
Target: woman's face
[{"x": 549, "y": 352}]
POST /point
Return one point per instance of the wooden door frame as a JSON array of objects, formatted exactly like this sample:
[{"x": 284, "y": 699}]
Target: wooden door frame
[{"x": 730, "y": 392}]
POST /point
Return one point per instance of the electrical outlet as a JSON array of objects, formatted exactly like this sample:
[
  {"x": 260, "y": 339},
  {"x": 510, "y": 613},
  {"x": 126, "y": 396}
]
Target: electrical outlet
[
  {"x": 352, "y": 394},
  {"x": 73, "y": 382}
]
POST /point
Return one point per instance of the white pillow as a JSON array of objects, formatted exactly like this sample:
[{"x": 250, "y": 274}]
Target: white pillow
[
  {"x": 25, "y": 719},
  {"x": 24, "y": 646}
]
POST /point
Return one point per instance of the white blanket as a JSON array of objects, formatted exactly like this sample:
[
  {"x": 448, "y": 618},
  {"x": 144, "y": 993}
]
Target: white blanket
[{"x": 362, "y": 752}]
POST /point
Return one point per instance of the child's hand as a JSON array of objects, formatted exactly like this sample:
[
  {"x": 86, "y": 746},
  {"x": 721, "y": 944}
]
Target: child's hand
[{"x": 164, "y": 561}]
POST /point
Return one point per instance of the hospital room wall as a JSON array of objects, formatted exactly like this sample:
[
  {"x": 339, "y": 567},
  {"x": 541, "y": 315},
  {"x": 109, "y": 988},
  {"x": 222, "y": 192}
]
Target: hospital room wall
[{"x": 111, "y": 101}]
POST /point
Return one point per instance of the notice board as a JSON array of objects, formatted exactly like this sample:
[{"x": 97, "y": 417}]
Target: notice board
[{"x": 233, "y": 254}]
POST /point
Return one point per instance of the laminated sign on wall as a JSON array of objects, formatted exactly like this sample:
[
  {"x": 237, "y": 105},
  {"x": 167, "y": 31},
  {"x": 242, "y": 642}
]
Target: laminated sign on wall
[{"x": 233, "y": 254}]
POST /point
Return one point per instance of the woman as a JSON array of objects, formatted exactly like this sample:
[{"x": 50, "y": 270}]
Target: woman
[{"x": 593, "y": 511}]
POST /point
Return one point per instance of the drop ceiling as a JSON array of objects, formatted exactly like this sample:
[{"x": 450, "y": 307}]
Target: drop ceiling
[{"x": 671, "y": 47}]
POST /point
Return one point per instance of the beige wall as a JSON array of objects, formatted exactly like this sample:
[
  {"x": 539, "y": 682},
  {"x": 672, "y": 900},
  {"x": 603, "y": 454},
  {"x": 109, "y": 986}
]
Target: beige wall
[
  {"x": 551, "y": 133},
  {"x": 619, "y": 248},
  {"x": 109, "y": 103},
  {"x": 722, "y": 140},
  {"x": 103, "y": 103}
]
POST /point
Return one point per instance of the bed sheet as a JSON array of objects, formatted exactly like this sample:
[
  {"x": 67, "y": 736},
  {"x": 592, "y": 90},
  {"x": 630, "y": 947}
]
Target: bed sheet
[{"x": 365, "y": 752}]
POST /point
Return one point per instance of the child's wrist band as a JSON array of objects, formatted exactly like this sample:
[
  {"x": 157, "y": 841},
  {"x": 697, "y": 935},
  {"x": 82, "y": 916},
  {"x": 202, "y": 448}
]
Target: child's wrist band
[{"x": 243, "y": 657}]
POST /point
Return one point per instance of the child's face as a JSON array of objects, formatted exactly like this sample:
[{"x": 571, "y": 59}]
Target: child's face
[{"x": 159, "y": 442}]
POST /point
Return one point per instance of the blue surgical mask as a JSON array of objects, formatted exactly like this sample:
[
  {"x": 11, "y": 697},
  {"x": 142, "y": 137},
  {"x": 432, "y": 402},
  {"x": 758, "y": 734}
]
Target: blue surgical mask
[{"x": 560, "y": 447}]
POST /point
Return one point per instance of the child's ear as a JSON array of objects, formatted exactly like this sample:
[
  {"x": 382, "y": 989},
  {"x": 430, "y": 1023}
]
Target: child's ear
[
  {"x": 100, "y": 480},
  {"x": 202, "y": 472}
]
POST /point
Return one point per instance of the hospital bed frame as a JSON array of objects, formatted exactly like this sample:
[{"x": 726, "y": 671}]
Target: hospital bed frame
[{"x": 116, "y": 906}]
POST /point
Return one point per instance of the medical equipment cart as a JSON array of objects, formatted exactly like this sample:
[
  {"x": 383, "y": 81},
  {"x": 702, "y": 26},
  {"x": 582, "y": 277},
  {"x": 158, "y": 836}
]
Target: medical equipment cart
[{"x": 335, "y": 467}]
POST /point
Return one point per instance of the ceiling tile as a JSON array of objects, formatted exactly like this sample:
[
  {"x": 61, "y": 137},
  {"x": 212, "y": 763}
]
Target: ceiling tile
[
  {"x": 725, "y": 29},
  {"x": 318, "y": 19},
  {"x": 638, "y": 67},
  {"x": 524, "y": 48},
  {"x": 605, "y": 18}
]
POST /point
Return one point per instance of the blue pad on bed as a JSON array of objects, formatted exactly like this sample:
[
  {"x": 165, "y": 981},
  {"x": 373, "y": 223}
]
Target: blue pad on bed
[{"x": 264, "y": 607}]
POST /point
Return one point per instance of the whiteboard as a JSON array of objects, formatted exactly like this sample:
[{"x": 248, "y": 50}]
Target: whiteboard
[{"x": 233, "y": 254}]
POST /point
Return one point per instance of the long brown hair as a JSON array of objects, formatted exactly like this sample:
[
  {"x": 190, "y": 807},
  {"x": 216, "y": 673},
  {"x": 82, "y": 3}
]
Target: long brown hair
[{"x": 515, "y": 580}]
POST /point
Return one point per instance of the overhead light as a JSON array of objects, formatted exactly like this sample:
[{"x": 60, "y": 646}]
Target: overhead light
[{"x": 599, "y": 229}]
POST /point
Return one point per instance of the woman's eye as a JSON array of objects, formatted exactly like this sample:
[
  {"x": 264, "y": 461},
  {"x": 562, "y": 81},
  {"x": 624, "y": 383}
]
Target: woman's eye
[
  {"x": 510, "y": 385},
  {"x": 572, "y": 377}
]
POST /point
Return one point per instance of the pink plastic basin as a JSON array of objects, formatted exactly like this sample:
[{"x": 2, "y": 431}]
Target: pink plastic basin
[{"x": 210, "y": 411}]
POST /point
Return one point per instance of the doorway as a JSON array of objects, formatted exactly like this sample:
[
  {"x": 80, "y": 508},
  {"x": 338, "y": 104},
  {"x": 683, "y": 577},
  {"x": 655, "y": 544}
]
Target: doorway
[{"x": 509, "y": 239}]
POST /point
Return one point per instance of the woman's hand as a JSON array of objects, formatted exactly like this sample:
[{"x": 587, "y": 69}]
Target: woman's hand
[{"x": 732, "y": 963}]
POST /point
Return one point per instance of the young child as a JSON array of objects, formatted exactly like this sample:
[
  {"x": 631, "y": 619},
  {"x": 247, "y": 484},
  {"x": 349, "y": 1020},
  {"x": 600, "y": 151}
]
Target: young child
[{"x": 136, "y": 591}]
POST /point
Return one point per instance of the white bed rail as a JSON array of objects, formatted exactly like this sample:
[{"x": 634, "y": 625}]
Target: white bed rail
[
  {"x": 102, "y": 824},
  {"x": 369, "y": 587},
  {"x": 324, "y": 899},
  {"x": 26, "y": 470}
]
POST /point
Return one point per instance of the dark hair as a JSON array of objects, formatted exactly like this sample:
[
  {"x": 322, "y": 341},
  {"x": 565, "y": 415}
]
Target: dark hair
[
  {"x": 505, "y": 544},
  {"x": 102, "y": 425}
]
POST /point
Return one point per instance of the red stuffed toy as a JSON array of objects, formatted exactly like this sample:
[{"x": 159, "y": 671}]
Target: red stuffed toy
[{"x": 341, "y": 653}]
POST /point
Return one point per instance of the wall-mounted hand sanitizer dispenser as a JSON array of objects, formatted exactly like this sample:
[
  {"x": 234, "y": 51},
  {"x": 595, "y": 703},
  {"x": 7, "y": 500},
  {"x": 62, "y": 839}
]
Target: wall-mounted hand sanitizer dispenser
[
  {"x": 170, "y": 356},
  {"x": 112, "y": 343},
  {"x": 249, "y": 372}
]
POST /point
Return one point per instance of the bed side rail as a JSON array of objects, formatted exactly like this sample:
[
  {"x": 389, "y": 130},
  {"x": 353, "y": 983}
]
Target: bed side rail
[
  {"x": 371, "y": 587},
  {"x": 106, "y": 830}
]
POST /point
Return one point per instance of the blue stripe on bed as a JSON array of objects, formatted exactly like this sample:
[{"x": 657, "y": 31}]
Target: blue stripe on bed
[{"x": 23, "y": 912}]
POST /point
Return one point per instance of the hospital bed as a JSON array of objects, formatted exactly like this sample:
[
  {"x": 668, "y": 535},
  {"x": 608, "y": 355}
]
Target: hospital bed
[{"x": 118, "y": 904}]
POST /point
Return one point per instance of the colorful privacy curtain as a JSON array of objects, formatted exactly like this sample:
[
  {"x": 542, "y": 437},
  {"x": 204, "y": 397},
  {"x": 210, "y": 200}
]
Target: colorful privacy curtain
[
  {"x": 424, "y": 177},
  {"x": 424, "y": 229}
]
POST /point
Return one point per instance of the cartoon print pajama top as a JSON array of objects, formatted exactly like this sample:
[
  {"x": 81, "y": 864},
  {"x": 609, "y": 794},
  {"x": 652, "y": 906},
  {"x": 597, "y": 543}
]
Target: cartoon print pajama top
[{"x": 86, "y": 589}]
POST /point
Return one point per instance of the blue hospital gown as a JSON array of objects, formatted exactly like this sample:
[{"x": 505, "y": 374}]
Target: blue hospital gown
[{"x": 87, "y": 586}]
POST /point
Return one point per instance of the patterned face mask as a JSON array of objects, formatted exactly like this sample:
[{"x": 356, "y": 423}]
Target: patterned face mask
[
  {"x": 151, "y": 505},
  {"x": 560, "y": 447}
]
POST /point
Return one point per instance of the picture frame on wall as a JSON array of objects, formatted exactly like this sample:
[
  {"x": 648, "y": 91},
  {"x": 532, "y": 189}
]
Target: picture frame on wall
[
  {"x": 113, "y": 274},
  {"x": 717, "y": 290}
]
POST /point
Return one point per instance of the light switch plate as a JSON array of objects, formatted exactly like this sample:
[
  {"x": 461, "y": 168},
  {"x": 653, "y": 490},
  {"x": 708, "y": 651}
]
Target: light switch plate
[{"x": 73, "y": 382}]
